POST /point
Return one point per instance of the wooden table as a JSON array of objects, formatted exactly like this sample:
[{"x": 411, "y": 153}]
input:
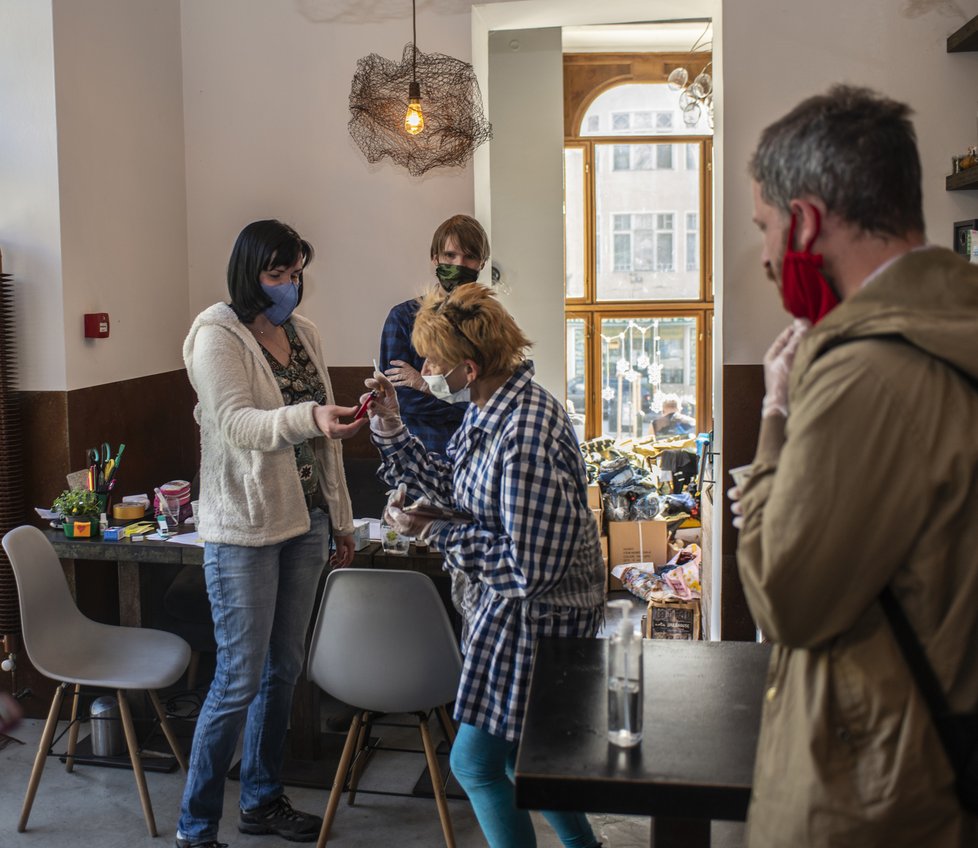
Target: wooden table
[{"x": 702, "y": 706}]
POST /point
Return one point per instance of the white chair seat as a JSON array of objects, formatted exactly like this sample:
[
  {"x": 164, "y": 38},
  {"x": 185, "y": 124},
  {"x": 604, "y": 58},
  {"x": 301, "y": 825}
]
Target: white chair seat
[{"x": 72, "y": 649}]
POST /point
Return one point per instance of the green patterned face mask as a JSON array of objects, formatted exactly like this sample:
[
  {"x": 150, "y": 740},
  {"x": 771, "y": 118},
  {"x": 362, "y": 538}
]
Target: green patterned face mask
[{"x": 451, "y": 276}]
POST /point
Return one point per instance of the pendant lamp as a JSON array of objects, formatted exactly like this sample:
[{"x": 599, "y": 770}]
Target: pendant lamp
[{"x": 424, "y": 112}]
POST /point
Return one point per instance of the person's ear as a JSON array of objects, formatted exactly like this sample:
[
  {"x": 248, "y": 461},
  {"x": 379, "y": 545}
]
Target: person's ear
[
  {"x": 809, "y": 220},
  {"x": 471, "y": 370}
]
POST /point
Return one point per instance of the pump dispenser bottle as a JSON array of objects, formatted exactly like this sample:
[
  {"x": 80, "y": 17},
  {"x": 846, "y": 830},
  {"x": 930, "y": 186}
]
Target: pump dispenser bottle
[{"x": 624, "y": 680}]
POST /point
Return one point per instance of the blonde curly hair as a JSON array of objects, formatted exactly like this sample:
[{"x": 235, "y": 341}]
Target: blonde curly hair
[{"x": 469, "y": 323}]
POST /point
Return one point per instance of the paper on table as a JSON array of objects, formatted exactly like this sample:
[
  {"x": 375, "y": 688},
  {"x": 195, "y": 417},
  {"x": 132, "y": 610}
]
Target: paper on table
[
  {"x": 46, "y": 514},
  {"x": 187, "y": 539}
]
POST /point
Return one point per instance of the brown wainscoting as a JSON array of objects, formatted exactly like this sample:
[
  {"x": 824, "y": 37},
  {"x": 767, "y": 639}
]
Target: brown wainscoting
[
  {"x": 743, "y": 390},
  {"x": 153, "y": 416}
]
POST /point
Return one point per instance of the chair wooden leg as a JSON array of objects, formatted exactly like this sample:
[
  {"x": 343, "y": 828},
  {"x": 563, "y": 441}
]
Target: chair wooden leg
[
  {"x": 137, "y": 767},
  {"x": 340, "y": 779},
  {"x": 42, "y": 752},
  {"x": 447, "y": 725},
  {"x": 168, "y": 730},
  {"x": 73, "y": 730},
  {"x": 437, "y": 784},
  {"x": 359, "y": 760}
]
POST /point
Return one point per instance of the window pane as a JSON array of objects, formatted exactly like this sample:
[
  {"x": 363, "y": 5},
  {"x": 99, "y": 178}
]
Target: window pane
[
  {"x": 642, "y": 154},
  {"x": 574, "y": 222},
  {"x": 576, "y": 382},
  {"x": 639, "y": 109},
  {"x": 692, "y": 251},
  {"x": 663, "y": 156},
  {"x": 629, "y": 202},
  {"x": 623, "y": 159},
  {"x": 692, "y": 157},
  {"x": 645, "y": 362}
]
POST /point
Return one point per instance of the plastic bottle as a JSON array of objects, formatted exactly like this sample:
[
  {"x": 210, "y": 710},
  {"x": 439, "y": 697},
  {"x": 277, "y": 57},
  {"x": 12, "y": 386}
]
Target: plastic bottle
[{"x": 624, "y": 680}]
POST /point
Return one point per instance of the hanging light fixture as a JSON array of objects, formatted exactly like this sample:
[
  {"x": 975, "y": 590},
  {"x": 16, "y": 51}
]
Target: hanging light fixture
[
  {"x": 443, "y": 132},
  {"x": 696, "y": 95},
  {"x": 414, "y": 119}
]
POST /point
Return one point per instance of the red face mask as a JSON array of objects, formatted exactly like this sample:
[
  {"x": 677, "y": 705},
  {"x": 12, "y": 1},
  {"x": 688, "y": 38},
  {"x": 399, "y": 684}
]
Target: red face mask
[{"x": 804, "y": 291}]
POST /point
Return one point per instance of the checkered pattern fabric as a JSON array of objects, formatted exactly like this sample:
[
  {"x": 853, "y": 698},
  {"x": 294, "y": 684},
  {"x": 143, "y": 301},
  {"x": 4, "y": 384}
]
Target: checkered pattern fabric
[{"x": 531, "y": 550}]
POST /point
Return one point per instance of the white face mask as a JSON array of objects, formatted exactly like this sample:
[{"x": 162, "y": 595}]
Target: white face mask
[{"x": 438, "y": 384}]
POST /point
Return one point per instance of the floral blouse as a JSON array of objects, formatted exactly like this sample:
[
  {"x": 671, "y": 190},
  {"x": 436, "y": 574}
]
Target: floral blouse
[{"x": 299, "y": 382}]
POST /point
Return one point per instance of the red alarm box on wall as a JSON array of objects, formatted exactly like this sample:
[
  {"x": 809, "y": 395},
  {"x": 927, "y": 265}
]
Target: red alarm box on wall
[{"x": 97, "y": 325}]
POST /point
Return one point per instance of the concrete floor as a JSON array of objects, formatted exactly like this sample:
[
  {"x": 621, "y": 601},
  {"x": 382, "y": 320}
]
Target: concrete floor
[{"x": 100, "y": 806}]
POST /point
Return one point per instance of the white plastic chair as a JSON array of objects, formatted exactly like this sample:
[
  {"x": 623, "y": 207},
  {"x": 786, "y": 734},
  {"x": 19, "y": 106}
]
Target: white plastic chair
[
  {"x": 74, "y": 650},
  {"x": 383, "y": 644}
]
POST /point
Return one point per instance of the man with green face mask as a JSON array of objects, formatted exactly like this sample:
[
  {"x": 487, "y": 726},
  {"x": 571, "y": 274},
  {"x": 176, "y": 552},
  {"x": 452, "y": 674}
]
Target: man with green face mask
[{"x": 459, "y": 251}]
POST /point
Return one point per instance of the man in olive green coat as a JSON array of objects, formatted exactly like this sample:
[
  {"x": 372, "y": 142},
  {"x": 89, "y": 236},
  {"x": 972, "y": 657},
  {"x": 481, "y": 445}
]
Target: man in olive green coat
[{"x": 870, "y": 481}]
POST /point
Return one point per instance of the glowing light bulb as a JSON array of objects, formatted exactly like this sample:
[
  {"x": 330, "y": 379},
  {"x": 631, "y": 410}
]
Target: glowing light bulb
[{"x": 413, "y": 118}]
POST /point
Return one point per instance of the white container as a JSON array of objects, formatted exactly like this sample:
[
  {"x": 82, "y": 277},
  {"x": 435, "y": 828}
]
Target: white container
[{"x": 625, "y": 692}]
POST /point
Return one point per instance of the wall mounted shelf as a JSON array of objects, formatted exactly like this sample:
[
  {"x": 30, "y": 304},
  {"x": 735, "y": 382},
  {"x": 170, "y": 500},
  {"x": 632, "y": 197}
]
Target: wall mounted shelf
[{"x": 965, "y": 40}]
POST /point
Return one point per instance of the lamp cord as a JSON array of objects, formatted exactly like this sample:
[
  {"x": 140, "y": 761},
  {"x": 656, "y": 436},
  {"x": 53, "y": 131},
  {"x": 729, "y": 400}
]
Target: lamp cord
[{"x": 414, "y": 42}]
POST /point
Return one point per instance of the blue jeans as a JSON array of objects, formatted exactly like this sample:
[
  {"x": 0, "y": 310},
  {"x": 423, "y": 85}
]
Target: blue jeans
[
  {"x": 261, "y": 601},
  {"x": 483, "y": 765}
]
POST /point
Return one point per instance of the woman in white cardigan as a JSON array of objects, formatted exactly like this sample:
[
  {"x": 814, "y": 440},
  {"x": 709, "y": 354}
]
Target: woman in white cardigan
[{"x": 271, "y": 484}]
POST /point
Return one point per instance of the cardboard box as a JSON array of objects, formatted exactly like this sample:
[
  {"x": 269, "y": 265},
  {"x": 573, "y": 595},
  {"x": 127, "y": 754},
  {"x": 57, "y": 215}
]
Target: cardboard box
[
  {"x": 594, "y": 496},
  {"x": 673, "y": 620},
  {"x": 361, "y": 534},
  {"x": 604, "y": 556},
  {"x": 635, "y": 541},
  {"x": 599, "y": 517}
]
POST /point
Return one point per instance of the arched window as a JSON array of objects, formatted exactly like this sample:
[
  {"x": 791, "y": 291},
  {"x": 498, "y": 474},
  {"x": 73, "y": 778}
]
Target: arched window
[{"x": 638, "y": 257}]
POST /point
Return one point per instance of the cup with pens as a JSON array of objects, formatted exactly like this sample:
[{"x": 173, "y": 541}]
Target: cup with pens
[{"x": 103, "y": 467}]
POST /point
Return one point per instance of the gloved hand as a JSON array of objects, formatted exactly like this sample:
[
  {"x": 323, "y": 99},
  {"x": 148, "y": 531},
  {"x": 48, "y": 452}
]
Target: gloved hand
[
  {"x": 402, "y": 522},
  {"x": 733, "y": 495},
  {"x": 777, "y": 366},
  {"x": 402, "y": 374},
  {"x": 385, "y": 413}
]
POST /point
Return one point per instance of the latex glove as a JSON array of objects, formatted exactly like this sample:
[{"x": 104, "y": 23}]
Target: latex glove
[
  {"x": 385, "y": 413},
  {"x": 345, "y": 548},
  {"x": 777, "y": 366},
  {"x": 327, "y": 417},
  {"x": 402, "y": 522},
  {"x": 403, "y": 375},
  {"x": 736, "y": 508}
]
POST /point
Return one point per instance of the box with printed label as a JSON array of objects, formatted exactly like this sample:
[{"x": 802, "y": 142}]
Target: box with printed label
[{"x": 673, "y": 620}]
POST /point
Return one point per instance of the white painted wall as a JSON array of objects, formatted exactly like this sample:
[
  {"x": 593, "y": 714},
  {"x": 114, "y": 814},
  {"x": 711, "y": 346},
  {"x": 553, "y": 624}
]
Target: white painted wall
[
  {"x": 123, "y": 204},
  {"x": 30, "y": 232},
  {"x": 526, "y": 168},
  {"x": 777, "y": 52},
  {"x": 266, "y": 91}
]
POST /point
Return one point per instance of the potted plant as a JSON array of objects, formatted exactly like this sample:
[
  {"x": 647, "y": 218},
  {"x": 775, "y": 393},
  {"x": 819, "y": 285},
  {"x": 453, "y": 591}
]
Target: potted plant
[{"x": 78, "y": 508}]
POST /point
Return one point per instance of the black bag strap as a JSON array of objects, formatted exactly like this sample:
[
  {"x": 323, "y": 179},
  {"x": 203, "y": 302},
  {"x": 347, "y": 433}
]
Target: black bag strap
[{"x": 914, "y": 654}]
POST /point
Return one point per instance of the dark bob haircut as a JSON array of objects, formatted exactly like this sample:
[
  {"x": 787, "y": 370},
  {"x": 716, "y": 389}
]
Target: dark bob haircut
[{"x": 262, "y": 246}]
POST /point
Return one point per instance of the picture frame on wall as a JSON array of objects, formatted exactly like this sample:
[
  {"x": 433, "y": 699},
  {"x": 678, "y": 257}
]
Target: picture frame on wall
[{"x": 961, "y": 240}]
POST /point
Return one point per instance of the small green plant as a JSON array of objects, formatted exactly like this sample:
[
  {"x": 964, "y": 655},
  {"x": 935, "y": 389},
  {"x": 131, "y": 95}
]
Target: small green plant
[{"x": 76, "y": 502}]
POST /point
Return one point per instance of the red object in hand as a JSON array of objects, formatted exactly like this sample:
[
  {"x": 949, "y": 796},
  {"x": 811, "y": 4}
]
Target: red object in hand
[
  {"x": 97, "y": 325},
  {"x": 363, "y": 407}
]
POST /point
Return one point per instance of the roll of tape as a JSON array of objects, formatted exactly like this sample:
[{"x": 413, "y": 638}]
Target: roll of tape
[{"x": 127, "y": 511}]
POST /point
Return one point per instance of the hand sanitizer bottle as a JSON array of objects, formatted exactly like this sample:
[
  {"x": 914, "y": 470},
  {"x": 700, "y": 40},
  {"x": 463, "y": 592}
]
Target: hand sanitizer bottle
[{"x": 624, "y": 681}]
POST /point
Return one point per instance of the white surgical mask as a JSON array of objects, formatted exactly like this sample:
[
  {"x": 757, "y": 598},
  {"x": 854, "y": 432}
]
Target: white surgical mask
[{"x": 438, "y": 384}]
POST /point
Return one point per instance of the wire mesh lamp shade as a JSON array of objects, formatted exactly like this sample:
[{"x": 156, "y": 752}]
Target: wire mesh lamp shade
[{"x": 454, "y": 123}]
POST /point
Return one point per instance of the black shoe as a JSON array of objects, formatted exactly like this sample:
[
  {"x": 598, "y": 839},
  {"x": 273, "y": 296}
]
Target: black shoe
[
  {"x": 279, "y": 817},
  {"x": 205, "y": 843}
]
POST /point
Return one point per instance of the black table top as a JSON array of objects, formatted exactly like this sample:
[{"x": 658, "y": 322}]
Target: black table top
[{"x": 702, "y": 705}]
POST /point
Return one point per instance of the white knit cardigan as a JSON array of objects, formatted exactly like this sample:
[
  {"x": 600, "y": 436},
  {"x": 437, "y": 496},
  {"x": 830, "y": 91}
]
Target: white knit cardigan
[{"x": 250, "y": 492}]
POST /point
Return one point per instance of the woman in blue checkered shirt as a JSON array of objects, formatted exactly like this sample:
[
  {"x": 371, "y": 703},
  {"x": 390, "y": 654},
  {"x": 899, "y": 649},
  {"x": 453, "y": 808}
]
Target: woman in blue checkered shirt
[{"x": 525, "y": 562}]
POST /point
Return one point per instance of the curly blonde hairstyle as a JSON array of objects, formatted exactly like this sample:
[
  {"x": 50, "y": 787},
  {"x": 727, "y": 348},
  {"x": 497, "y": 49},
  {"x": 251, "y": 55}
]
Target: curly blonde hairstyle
[{"x": 469, "y": 323}]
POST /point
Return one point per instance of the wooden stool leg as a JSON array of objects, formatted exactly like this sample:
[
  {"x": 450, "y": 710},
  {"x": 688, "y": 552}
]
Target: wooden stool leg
[
  {"x": 137, "y": 767},
  {"x": 359, "y": 761},
  {"x": 447, "y": 725},
  {"x": 340, "y": 779},
  {"x": 73, "y": 730},
  {"x": 437, "y": 784},
  {"x": 168, "y": 730},
  {"x": 192, "y": 669},
  {"x": 42, "y": 752}
]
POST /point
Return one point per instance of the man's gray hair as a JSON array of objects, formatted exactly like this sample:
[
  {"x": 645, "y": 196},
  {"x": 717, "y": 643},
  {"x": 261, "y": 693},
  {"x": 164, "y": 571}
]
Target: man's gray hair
[{"x": 852, "y": 148}]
